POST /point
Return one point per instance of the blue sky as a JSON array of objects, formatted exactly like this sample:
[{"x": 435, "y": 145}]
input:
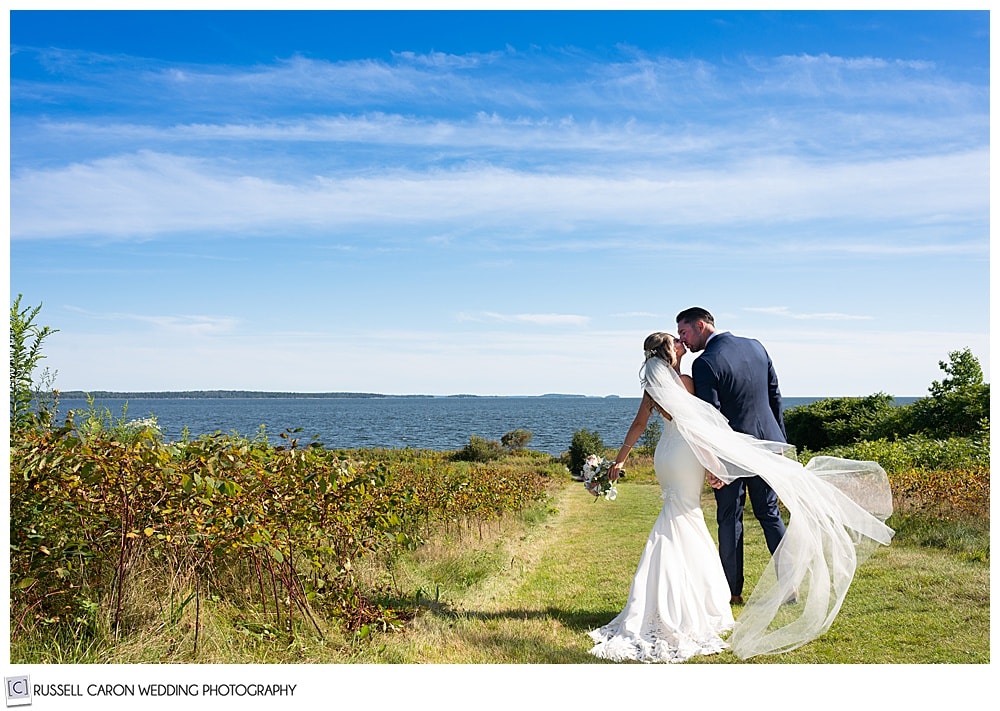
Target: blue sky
[{"x": 497, "y": 203}]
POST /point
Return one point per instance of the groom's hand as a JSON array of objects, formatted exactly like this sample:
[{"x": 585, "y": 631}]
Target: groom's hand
[{"x": 714, "y": 481}]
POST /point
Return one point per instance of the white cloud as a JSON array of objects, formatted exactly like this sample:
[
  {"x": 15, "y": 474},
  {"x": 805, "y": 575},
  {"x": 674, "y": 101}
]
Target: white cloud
[
  {"x": 636, "y": 314},
  {"x": 447, "y": 60},
  {"x": 183, "y": 324},
  {"x": 633, "y": 79},
  {"x": 146, "y": 194},
  {"x": 785, "y": 312},
  {"x": 537, "y": 319}
]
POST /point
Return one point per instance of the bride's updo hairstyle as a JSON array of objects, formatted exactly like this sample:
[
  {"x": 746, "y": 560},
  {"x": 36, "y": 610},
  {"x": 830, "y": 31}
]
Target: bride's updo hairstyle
[{"x": 660, "y": 345}]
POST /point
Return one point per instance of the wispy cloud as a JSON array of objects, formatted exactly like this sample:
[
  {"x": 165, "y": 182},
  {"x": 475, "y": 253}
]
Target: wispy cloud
[
  {"x": 514, "y": 78},
  {"x": 785, "y": 312},
  {"x": 628, "y": 102},
  {"x": 146, "y": 194},
  {"x": 534, "y": 319},
  {"x": 186, "y": 324},
  {"x": 517, "y": 141}
]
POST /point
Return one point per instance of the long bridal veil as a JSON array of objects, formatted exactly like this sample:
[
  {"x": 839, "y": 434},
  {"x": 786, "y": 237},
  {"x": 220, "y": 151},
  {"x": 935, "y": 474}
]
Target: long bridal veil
[{"x": 837, "y": 508}]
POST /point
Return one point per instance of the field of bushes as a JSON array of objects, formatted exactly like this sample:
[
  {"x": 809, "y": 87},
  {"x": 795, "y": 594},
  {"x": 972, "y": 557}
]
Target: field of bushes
[{"x": 110, "y": 535}]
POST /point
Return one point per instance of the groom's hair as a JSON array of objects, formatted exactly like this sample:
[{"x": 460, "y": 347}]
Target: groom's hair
[{"x": 695, "y": 313}]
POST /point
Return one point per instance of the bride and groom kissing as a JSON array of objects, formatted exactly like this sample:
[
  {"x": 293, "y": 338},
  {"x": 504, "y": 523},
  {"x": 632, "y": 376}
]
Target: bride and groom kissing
[{"x": 724, "y": 424}]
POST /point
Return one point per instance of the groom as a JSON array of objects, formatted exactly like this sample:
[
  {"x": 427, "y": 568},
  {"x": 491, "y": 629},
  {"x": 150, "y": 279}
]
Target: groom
[{"x": 735, "y": 375}]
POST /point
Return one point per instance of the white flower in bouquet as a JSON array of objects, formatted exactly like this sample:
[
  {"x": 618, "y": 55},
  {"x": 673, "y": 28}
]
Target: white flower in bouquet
[{"x": 596, "y": 477}]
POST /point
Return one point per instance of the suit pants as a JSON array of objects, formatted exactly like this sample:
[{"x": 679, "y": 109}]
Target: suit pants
[{"x": 731, "y": 500}]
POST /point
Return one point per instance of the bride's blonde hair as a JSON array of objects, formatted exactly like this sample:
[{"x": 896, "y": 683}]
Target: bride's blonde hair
[{"x": 660, "y": 345}]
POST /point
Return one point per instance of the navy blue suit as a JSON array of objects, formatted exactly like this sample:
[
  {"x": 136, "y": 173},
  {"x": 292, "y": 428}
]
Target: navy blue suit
[{"x": 736, "y": 376}]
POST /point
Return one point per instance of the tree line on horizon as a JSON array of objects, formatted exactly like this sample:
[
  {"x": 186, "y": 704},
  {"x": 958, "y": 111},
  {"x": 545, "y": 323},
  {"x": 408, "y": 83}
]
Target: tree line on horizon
[
  {"x": 209, "y": 394},
  {"x": 237, "y": 394}
]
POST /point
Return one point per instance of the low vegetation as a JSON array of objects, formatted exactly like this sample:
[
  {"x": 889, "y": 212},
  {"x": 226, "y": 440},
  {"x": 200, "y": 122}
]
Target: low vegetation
[
  {"x": 104, "y": 531},
  {"x": 127, "y": 548},
  {"x": 957, "y": 406}
]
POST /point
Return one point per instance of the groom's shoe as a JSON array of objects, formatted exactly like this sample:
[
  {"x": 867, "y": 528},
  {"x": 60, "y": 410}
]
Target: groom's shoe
[
  {"x": 736, "y": 600},
  {"x": 793, "y": 598}
]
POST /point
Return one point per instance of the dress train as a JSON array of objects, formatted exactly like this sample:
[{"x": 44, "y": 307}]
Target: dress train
[{"x": 678, "y": 604}]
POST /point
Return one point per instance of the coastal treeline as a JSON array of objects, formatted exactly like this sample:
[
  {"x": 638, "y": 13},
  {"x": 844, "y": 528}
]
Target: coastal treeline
[
  {"x": 935, "y": 449},
  {"x": 261, "y": 394},
  {"x": 208, "y": 395}
]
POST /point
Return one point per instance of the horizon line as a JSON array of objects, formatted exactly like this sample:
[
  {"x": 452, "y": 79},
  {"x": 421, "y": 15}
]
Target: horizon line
[{"x": 235, "y": 393}]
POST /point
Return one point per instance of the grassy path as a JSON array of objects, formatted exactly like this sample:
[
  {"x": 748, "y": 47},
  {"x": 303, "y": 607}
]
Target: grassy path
[{"x": 540, "y": 594}]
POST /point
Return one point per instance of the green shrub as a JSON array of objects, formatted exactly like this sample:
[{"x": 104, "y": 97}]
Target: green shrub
[
  {"x": 479, "y": 449},
  {"x": 97, "y": 422},
  {"x": 651, "y": 436},
  {"x": 959, "y": 413},
  {"x": 28, "y": 404},
  {"x": 919, "y": 452},
  {"x": 838, "y": 421},
  {"x": 584, "y": 444},
  {"x": 516, "y": 440},
  {"x": 958, "y": 406},
  {"x": 964, "y": 371}
]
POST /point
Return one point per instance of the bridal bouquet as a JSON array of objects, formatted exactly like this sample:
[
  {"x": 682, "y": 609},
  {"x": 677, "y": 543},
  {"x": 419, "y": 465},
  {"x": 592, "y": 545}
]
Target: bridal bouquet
[{"x": 596, "y": 479}]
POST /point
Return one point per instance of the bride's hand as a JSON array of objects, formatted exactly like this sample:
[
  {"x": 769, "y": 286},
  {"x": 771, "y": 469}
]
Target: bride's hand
[
  {"x": 615, "y": 471},
  {"x": 679, "y": 349},
  {"x": 714, "y": 481}
]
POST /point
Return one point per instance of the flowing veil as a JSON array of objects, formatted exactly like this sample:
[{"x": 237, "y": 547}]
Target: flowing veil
[{"x": 837, "y": 508}]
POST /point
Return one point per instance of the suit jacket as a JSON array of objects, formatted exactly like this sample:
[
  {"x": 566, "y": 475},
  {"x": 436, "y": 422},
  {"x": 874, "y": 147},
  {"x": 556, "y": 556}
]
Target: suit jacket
[{"x": 736, "y": 376}]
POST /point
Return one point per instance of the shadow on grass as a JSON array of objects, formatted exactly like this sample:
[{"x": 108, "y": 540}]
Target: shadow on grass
[
  {"x": 575, "y": 620},
  {"x": 513, "y": 645},
  {"x": 578, "y": 620},
  {"x": 509, "y": 647}
]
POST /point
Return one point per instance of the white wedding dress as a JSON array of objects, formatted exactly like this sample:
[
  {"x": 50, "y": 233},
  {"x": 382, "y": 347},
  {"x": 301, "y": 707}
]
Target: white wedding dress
[
  {"x": 679, "y": 601},
  {"x": 678, "y": 605}
]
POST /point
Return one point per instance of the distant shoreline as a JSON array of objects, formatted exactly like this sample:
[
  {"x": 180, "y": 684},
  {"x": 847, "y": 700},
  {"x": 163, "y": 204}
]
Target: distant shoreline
[
  {"x": 277, "y": 395},
  {"x": 260, "y": 395}
]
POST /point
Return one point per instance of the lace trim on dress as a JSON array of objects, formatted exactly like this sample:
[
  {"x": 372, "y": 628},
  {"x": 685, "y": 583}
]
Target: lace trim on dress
[
  {"x": 655, "y": 644},
  {"x": 669, "y": 493}
]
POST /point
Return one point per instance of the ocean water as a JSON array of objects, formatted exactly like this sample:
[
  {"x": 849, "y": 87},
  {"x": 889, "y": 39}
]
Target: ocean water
[{"x": 438, "y": 423}]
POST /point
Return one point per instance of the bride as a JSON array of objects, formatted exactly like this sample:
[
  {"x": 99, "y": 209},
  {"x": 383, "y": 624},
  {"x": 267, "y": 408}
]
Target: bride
[{"x": 678, "y": 604}]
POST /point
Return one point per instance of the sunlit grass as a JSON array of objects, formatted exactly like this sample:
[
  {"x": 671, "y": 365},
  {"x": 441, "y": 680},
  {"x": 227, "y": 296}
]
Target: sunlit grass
[{"x": 908, "y": 604}]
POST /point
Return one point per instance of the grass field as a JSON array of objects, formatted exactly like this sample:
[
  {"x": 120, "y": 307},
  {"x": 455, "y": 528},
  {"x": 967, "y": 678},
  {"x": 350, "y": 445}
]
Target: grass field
[{"x": 537, "y": 596}]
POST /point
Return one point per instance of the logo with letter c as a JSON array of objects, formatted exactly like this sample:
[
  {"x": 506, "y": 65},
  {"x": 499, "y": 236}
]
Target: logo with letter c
[{"x": 18, "y": 690}]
